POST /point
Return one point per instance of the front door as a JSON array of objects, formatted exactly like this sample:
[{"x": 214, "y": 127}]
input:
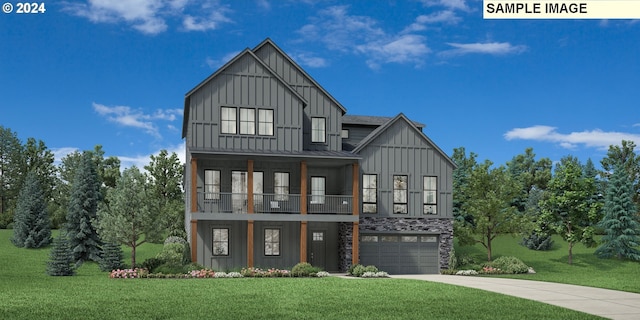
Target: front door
[{"x": 317, "y": 256}]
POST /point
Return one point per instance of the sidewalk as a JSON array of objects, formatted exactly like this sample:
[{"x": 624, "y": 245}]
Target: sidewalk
[{"x": 601, "y": 302}]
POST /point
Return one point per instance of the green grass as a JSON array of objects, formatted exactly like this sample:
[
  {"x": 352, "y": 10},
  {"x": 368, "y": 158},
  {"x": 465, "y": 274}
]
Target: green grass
[
  {"x": 26, "y": 292},
  {"x": 587, "y": 269}
]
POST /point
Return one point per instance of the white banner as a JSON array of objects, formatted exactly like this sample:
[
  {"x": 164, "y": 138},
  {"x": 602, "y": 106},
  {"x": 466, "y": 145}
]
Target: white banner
[{"x": 547, "y": 9}]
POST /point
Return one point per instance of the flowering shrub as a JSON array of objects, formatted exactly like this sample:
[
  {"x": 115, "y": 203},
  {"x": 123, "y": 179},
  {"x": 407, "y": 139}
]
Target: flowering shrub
[
  {"x": 322, "y": 274},
  {"x": 379, "y": 274},
  {"x": 202, "y": 273},
  {"x": 491, "y": 270},
  {"x": 260, "y": 273},
  {"x": 467, "y": 273},
  {"x": 128, "y": 273}
]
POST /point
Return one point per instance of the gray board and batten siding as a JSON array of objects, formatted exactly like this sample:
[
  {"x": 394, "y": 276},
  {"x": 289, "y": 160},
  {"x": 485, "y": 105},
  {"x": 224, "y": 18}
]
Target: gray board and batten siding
[{"x": 401, "y": 149}]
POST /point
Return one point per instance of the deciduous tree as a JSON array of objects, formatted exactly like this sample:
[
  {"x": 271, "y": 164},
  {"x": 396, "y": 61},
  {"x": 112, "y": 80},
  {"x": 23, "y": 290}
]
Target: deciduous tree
[{"x": 165, "y": 190}]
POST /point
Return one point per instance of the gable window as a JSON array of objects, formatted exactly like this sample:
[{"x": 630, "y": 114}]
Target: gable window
[
  {"x": 318, "y": 189},
  {"x": 369, "y": 193},
  {"x": 265, "y": 122},
  {"x": 271, "y": 242},
  {"x": 228, "y": 120},
  {"x": 247, "y": 121},
  {"x": 281, "y": 186},
  {"x": 400, "y": 193},
  {"x": 220, "y": 242},
  {"x": 318, "y": 129},
  {"x": 430, "y": 191},
  {"x": 212, "y": 184}
]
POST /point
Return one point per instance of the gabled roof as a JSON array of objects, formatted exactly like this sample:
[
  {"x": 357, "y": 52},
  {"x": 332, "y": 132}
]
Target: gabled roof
[
  {"x": 400, "y": 117},
  {"x": 268, "y": 41},
  {"x": 245, "y": 52},
  {"x": 371, "y": 120}
]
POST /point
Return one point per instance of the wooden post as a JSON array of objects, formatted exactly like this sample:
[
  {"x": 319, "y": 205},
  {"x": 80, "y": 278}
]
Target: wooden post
[
  {"x": 355, "y": 207},
  {"x": 194, "y": 185},
  {"x": 250, "y": 243},
  {"x": 303, "y": 211},
  {"x": 194, "y": 240},
  {"x": 250, "y": 186}
]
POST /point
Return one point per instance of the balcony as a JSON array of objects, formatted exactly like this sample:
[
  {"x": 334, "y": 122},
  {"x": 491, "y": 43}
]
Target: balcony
[{"x": 273, "y": 203}]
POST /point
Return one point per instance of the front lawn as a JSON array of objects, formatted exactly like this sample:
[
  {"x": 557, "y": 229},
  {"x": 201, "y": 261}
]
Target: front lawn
[
  {"x": 26, "y": 292},
  {"x": 552, "y": 266}
]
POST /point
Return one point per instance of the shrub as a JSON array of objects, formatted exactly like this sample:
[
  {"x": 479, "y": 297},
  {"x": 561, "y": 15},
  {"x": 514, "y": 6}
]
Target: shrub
[
  {"x": 322, "y": 274},
  {"x": 174, "y": 239},
  {"x": 356, "y": 270},
  {"x": 538, "y": 241},
  {"x": 379, "y": 274},
  {"x": 172, "y": 253},
  {"x": 448, "y": 271},
  {"x": 453, "y": 260},
  {"x": 152, "y": 263},
  {"x": 467, "y": 273},
  {"x": 359, "y": 270},
  {"x": 170, "y": 268},
  {"x": 509, "y": 265},
  {"x": 304, "y": 269},
  {"x": 111, "y": 258},
  {"x": 60, "y": 257}
]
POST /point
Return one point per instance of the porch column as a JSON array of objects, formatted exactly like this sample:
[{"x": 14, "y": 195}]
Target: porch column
[
  {"x": 303, "y": 211},
  {"x": 194, "y": 208},
  {"x": 194, "y": 240},
  {"x": 250, "y": 244},
  {"x": 355, "y": 209}
]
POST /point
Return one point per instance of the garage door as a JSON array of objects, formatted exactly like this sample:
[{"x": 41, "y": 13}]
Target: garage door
[{"x": 400, "y": 254}]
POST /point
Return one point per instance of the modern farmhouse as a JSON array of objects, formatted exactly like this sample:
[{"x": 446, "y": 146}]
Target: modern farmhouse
[{"x": 277, "y": 173}]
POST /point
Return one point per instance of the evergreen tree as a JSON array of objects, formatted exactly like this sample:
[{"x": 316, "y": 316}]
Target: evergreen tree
[
  {"x": 111, "y": 257},
  {"x": 622, "y": 229},
  {"x": 32, "y": 228},
  {"x": 11, "y": 159},
  {"x": 83, "y": 207},
  {"x": 166, "y": 197},
  {"x": 60, "y": 257}
]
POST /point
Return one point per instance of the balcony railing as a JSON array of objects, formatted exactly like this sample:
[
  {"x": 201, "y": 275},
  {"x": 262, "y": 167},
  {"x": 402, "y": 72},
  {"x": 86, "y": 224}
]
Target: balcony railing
[{"x": 273, "y": 203}]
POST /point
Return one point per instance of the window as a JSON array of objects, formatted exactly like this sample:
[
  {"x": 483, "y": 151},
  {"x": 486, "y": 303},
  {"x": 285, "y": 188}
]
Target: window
[
  {"x": 239, "y": 188},
  {"x": 271, "y": 242},
  {"x": 369, "y": 238},
  {"x": 318, "y": 129},
  {"x": 220, "y": 242},
  {"x": 409, "y": 238},
  {"x": 318, "y": 236},
  {"x": 428, "y": 239},
  {"x": 430, "y": 191},
  {"x": 400, "y": 193},
  {"x": 247, "y": 121},
  {"x": 369, "y": 193},
  {"x": 344, "y": 134},
  {"x": 228, "y": 120},
  {"x": 281, "y": 186},
  {"x": 317, "y": 190},
  {"x": 389, "y": 239},
  {"x": 265, "y": 122},
  {"x": 212, "y": 184}
]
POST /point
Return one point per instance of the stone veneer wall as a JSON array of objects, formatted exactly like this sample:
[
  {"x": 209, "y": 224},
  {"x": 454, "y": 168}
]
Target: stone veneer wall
[{"x": 345, "y": 233}]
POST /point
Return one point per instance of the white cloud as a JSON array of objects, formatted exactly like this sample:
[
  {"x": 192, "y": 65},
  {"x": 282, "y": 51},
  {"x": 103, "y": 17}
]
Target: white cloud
[
  {"x": 217, "y": 63},
  {"x": 142, "y": 160},
  {"x": 421, "y": 22},
  {"x": 309, "y": 60},
  {"x": 128, "y": 117},
  {"x": 338, "y": 30},
  {"x": 150, "y": 16},
  {"x": 492, "y": 48},
  {"x": 589, "y": 138},
  {"x": 452, "y": 4},
  {"x": 60, "y": 153}
]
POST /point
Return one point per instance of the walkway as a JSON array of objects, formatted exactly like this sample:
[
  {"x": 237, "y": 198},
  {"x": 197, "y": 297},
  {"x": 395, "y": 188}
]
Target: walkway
[{"x": 601, "y": 302}]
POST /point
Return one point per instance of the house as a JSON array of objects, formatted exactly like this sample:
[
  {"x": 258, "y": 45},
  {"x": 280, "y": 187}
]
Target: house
[{"x": 277, "y": 173}]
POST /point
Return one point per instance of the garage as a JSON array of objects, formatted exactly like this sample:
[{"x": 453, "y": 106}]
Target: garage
[{"x": 401, "y": 253}]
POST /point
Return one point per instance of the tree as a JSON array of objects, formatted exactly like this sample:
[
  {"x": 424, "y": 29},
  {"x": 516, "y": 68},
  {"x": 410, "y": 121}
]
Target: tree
[
  {"x": 127, "y": 220},
  {"x": 624, "y": 155},
  {"x": 83, "y": 207},
  {"x": 39, "y": 159},
  {"x": 621, "y": 227},
  {"x": 111, "y": 257},
  {"x": 32, "y": 228},
  {"x": 165, "y": 190},
  {"x": 60, "y": 257},
  {"x": 530, "y": 174},
  {"x": 567, "y": 209},
  {"x": 489, "y": 194},
  {"x": 465, "y": 165},
  {"x": 10, "y": 169}
]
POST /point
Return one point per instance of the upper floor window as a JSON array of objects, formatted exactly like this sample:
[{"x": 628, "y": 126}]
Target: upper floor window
[
  {"x": 281, "y": 186},
  {"x": 369, "y": 193},
  {"x": 228, "y": 120},
  {"x": 265, "y": 122},
  {"x": 430, "y": 191},
  {"x": 318, "y": 129},
  {"x": 400, "y": 193},
  {"x": 212, "y": 184},
  {"x": 247, "y": 121}
]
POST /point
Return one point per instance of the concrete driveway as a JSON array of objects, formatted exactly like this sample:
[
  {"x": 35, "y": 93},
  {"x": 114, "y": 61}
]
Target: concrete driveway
[{"x": 601, "y": 302}]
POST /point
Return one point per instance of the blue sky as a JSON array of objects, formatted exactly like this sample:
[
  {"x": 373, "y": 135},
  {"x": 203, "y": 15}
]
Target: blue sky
[{"x": 115, "y": 72}]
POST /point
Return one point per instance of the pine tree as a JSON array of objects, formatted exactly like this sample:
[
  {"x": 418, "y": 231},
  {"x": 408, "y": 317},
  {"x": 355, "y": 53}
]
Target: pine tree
[
  {"x": 32, "y": 228},
  {"x": 622, "y": 230},
  {"x": 83, "y": 205},
  {"x": 112, "y": 257},
  {"x": 60, "y": 258}
]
